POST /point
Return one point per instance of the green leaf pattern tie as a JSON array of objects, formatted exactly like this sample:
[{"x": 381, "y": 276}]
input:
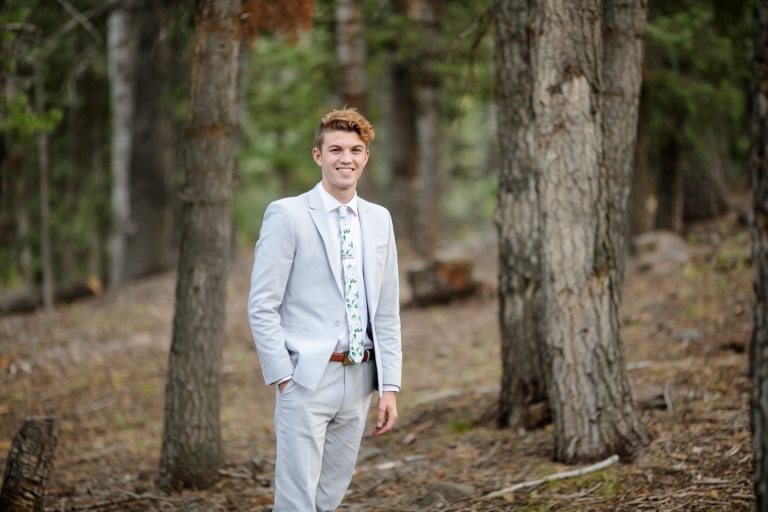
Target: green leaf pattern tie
[{"x": 356, "y": 342}]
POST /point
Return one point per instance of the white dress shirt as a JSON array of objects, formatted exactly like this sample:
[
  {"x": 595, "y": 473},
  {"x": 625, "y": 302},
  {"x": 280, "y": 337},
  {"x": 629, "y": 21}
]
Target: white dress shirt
[{"x": 332, "y": 208}]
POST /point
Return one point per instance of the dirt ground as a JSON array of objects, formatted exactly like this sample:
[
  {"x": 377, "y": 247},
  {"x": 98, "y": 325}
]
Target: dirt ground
[{"x": 99, "y": 366}]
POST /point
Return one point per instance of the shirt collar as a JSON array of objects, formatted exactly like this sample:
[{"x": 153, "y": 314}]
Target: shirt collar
[{"x": 331, "y": 203}]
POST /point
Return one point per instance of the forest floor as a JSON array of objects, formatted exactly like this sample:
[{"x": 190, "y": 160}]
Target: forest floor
[{"x": 99, "y": 365}]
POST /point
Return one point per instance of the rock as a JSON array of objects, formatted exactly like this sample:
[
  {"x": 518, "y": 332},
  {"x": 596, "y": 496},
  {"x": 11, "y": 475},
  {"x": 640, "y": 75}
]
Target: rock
[
  {"x": 440, "y": 281},
  {"x": 659, "y": 251},
  {"x": 447, "y": 493},
  {"x": 649, "y": 396},
  {"x": 688, "y": 335}
]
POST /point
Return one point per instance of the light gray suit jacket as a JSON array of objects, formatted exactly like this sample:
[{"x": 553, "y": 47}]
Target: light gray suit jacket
[{"x": 296, "y": 303}]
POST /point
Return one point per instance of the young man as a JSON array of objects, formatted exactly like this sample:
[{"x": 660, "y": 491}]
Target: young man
[{"x": 324, "y": 312}]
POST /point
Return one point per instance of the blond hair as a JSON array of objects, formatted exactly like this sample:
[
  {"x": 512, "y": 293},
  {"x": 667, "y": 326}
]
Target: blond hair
[{"x": 345, "y": 120}]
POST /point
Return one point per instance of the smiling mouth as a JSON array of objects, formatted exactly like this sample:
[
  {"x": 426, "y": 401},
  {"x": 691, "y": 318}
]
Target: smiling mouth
[{"x": 345, "y": 170}]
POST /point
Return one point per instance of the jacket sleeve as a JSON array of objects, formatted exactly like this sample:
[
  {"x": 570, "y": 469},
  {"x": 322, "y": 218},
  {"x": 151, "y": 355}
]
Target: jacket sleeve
[
  {"x": 273, "y": 261},
  {"x": 387, "y": 319}
]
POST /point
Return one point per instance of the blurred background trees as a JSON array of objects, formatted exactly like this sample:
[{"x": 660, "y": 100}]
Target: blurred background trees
[{"x": 421, "y": 70}]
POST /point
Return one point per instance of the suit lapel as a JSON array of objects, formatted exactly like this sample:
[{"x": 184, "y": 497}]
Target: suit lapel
[
  {"x": 368, "y": 228},
  {"x": 320, "y": 218}
]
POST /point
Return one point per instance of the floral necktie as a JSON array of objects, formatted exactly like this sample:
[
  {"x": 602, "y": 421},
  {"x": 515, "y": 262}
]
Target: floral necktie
[{"x": 354, "y": 322}]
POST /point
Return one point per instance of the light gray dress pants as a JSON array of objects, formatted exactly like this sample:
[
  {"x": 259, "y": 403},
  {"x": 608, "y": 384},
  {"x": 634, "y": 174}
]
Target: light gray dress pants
[{"x": 318, "y": 437}]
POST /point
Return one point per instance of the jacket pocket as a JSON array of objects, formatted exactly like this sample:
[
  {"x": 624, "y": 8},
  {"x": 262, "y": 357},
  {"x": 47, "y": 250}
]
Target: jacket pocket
[{"x": 297, "y": 327}]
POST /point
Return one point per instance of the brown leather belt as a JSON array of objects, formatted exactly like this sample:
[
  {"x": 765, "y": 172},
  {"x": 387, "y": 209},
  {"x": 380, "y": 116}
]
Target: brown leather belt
[{"x": 343, "y": 357}]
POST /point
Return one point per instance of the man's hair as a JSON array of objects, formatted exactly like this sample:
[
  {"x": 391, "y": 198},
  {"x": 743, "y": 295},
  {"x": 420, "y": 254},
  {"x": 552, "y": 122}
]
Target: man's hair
[{"x": 345, "y": 120}]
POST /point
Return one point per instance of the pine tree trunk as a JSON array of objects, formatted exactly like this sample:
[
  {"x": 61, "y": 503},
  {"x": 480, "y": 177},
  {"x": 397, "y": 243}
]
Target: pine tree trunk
[
  {"x": 517, "y": 217},
  {"x": 704, "y": 179},
  {"x": 759, "y": 346},
  {"x": 401, "y": 148},
  {"x": 642, "y": 196},
  {"x": 427, "y": 180},
  {"x": 43, "y": 161},
  {"x": 669, "y": 188},
  {"x": 562, "y": 129},
  {"x": 351, "y": 52},
  {"x": 192, "y": 451},
  {"x": 589, "y": 393},
  {"x": 150, "y": 247},
  {"x": 122, "y": 60},
  {"x": 623, "y": 33},
  {"x": 29, "y": 465}
]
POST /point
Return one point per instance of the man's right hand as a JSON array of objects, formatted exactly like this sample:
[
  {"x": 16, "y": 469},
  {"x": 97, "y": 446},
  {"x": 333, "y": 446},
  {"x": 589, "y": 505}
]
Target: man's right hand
[{"x": 283, "y": 384}]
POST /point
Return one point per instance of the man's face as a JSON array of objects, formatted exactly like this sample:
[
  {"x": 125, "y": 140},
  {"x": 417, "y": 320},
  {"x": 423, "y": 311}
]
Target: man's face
[{"x": 342, "y": 160}]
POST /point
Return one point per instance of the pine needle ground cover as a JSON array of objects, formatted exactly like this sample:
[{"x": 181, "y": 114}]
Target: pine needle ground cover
[{"x": 99, "y": 366}]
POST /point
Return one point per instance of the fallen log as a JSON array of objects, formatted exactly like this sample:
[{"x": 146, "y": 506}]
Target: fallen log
[
  {"x": 440, "y": 281},
  {"x": 29, "y": 464},
  {"x": 30, "y": 298}
]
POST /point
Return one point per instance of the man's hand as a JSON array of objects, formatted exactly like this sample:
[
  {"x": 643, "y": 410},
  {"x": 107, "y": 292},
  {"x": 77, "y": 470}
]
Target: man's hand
[
  {"x": 283, "y": 384},
  {"x": 387, "y": 407}
]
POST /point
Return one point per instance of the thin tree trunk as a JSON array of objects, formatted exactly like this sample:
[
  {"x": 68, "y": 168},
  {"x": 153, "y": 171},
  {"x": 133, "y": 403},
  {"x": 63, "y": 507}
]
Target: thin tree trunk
[
  {"x": 759, "y": 346},
  {"x": 152, "y": 165},
  {"x": 351, "y": 52},
  {"x": 642, "y": 197},
  {"x": 517, "y": 217},
  {"x": 401, "y": 150},
  {"x": 192, "y": 452},
  {"x": 45, "y": 215},
  {"x": 23, "y": 222},
  {"x": 669, "y": 188},
  {"x": 427, "y": 180},
  {"x": 704, "y": 179},
  {"x": 623, "y": 30},
  {"x": 352, "y": 55},
  {"x": 122, "y": 59}
]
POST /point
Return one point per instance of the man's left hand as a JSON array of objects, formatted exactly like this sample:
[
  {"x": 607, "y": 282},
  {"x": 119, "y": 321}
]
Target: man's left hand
[{"x": 387, "y": 407}]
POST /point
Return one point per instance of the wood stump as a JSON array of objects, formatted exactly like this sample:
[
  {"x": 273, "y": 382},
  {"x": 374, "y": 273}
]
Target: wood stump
[
  {"x": 440, "y": 281},
  {"x": 29, "y": 464}
]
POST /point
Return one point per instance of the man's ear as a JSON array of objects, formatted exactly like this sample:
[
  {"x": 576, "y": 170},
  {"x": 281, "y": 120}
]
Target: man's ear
[{"x": 317, "y": 155}]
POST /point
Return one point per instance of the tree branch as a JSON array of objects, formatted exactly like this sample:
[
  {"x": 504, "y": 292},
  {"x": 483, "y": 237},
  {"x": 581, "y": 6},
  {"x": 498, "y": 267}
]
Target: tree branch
[
  {"x": 557, "y": 476},
  {"x": 82, "y": 20}
]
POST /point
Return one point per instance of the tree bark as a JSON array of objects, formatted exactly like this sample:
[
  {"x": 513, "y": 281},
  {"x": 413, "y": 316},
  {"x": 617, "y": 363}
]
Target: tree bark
[
  {"x": 427, "y": 180},
  {"x": 151, "y": 248},
  {"x": 642, "y": 196},
  {"x": 351, "y": 52},
  {"x": 192, "y": 451},
  {"x": 29, "y": 464},
  {"x": 589, "y": 393},
  {"x": 401, "y": 147},
  {"x": 517, "y": 218},
  {"x": 623, "y": 36},
  {"x": 704, "y": 179},
  {"x": 669, "y": 188},
  {"x": 43, "y": 160},
  {"x": 759, "y": 345},
  {"x": 122, "y": 59}
]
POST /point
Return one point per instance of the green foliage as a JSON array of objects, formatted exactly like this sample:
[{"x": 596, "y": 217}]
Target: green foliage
[
  {"x": 289, "y": 90},
  {"x": 24, "y": 123},
  {"x": 459, "y": 425},
  {"x": 698, "y": 73}
]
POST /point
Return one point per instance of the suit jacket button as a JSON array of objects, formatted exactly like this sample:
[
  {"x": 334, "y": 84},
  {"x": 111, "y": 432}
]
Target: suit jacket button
[{"x": 337, "y": 322}]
